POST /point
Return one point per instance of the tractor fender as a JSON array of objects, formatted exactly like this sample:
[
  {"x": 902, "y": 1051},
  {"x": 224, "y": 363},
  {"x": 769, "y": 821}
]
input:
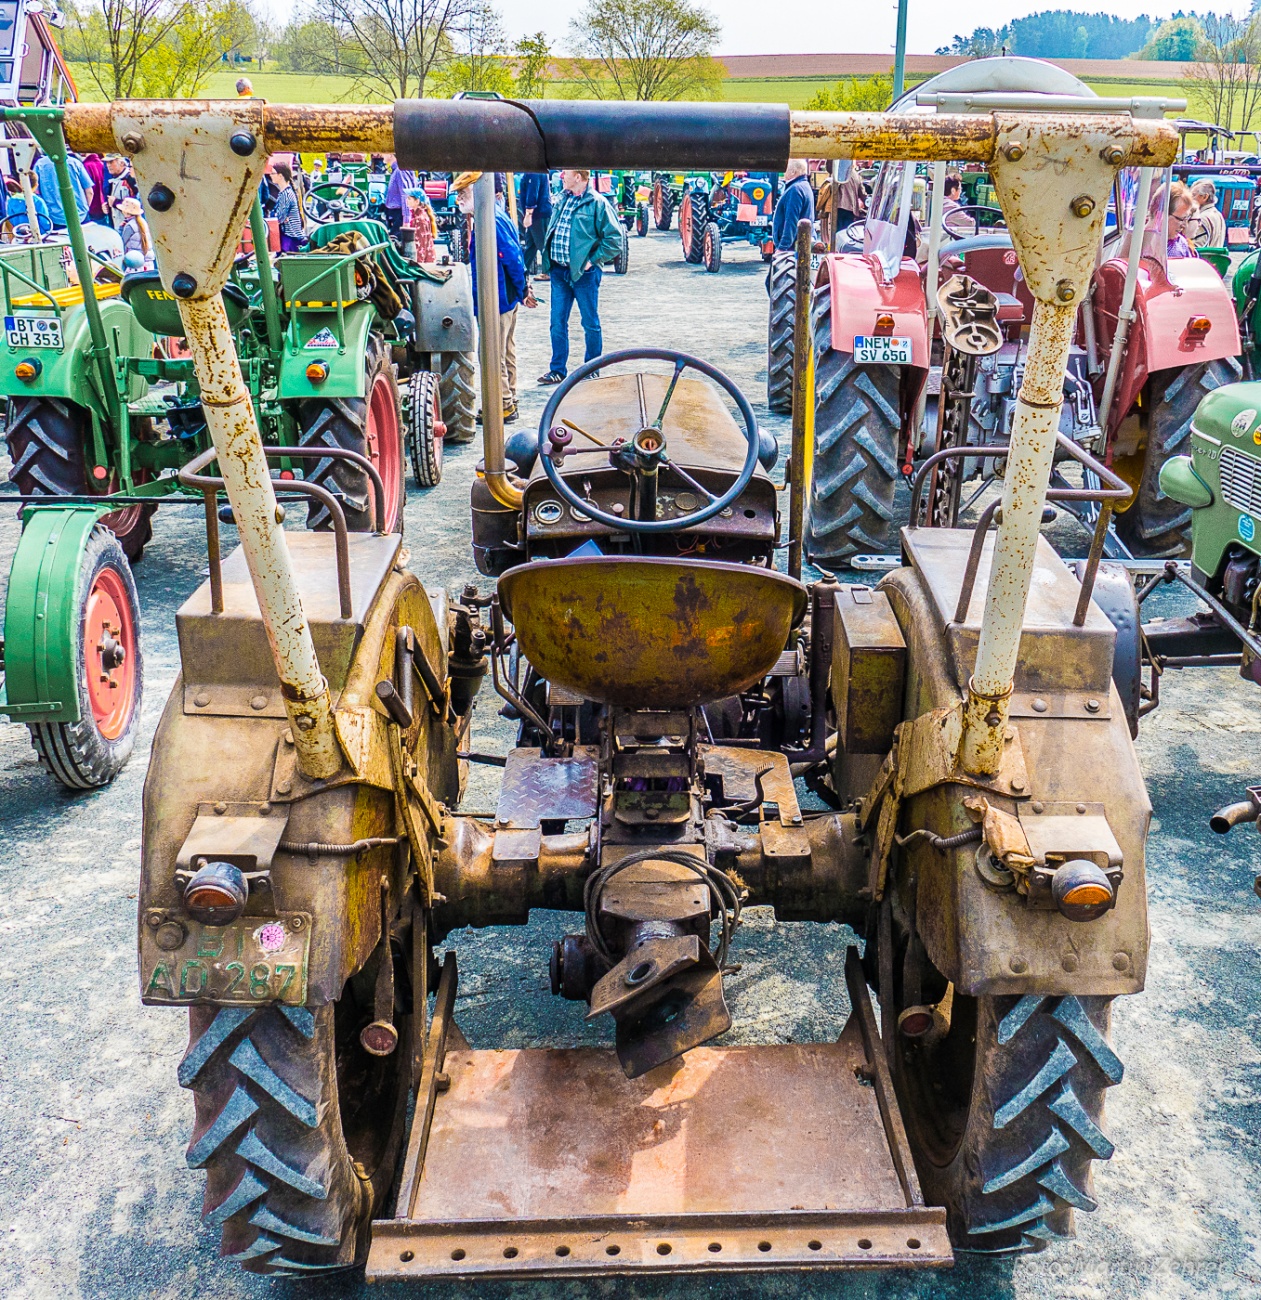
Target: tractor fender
[
  {"x": 987, "y": 940},
  {"x": 1159, "y": 338},
  {"x": 68, "y": 373},
  {"x": 40, "y": 633},
  {"x": 443, "y": 306},
  {"x": 255, "y": 775},
  {"x": 858, "y": 297},
  {"x": 341, "y": 345}
]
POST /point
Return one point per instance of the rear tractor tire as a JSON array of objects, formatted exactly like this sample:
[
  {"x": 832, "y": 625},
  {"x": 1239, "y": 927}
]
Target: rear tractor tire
[
  {"x": 458, "y": 395},
  {"x": 1004, "y": 1114},
  {"x": 297, "y": 1128},
  {"x": 370, "y": 425},
  {"x": 857, "y": 422},
  {"x": 711, "y": 247},
  {"x": 109, "y": 668},
  {"x": 779, "y": 339},
  {"x": 46, "y": 437},
  {"x": 425, "y": 430},
  {"x": 1155, "y": 525}
]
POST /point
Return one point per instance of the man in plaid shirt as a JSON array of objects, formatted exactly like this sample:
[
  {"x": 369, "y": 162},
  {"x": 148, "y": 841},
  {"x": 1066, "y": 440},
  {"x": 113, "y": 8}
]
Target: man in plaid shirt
[{"x": 583, "y": 234}]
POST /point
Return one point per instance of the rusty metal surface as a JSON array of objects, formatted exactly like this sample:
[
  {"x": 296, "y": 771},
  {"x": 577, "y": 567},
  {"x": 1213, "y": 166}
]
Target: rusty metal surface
[
  {"x": 868, "y": 670},
  {"x": 226, "y": 658},
  {"x": 1054, "y": 656},
  {"x": 651, "y": 633},
  {"x": 536, "y": 787}
]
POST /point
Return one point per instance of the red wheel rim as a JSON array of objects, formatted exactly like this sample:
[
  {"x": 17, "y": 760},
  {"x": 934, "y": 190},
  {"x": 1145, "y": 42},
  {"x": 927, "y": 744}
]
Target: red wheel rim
[
  {"x": 109, "y": 653},
  {"x": 385, "y": 445},
  {"x": 685, "y": 224}
]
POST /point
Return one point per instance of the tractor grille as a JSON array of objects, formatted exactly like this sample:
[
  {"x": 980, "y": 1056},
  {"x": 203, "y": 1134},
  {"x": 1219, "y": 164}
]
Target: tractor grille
[{"x": 1241, "y": 481}]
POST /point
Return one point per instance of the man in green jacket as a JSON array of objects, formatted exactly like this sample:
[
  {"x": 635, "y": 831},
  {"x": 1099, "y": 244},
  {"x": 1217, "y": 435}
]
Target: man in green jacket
[{"x": 582, "y": 235}]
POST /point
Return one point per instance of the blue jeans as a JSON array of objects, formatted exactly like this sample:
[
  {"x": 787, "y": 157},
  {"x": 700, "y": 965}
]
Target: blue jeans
[{"x": 585, "y": 290}]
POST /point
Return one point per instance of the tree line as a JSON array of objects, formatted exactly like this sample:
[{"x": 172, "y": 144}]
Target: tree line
[{"x": 398, "y": 49}]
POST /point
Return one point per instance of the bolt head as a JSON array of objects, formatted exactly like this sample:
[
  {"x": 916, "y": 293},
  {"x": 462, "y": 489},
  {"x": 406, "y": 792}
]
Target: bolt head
[
  {"x": 280, "y": 513},
  {"x": 184, "y": 285},
  {"x": 1092, "y": 706},
  {"x": 1018, "y": 965},
  {"x": 1069, "y": 962},
  {"x": 243, "y": 143},
  {"x": 1121, "y": 961},
  {"x": 170, "y": 936},
  {"x": 155, "y": 918},
  {"x": 1083, "y": 205},
  {"x": 161, "y": 198},
  {"x": 1014, "y": 152},
  {"x": 133, "y": 142},
  {"x": 1112, "y": 155},
  {"x": 1066, "y": 291}
]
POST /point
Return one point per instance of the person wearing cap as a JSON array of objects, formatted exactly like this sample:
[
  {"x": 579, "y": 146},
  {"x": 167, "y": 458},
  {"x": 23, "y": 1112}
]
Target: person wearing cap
[
  {"x": 120, "y": 184},
  {"x": 582, "y": 236},
  {"x": 513, "y": 287},
  {"x": 134, "y": 233}
]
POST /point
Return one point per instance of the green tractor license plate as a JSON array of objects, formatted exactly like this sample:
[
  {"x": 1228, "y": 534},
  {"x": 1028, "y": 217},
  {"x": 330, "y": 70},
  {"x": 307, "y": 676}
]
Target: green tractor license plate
[
  {"x": 33, "y": 331},
  {"x": 251, "y": 960}
]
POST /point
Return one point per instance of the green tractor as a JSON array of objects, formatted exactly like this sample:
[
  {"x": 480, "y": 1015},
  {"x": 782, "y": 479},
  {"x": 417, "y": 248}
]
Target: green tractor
[{"x": 103, "y": 411}]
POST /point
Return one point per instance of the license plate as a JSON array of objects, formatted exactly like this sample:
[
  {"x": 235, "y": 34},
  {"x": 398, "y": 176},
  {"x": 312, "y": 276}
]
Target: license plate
[
  {"x": 33, "y": 331},
  {"x": 761, "y": 220},
  {"x": 877, "y": 350},
  {"x": 252, "y": 960}
]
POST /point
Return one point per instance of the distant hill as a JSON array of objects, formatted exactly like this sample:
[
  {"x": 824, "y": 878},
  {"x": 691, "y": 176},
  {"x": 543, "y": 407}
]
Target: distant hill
[{"x": 779, "y": 66}]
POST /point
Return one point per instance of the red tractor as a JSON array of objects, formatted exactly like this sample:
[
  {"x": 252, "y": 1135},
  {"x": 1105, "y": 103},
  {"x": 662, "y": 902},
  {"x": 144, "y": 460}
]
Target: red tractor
[{"x": 1129, "y": 392}]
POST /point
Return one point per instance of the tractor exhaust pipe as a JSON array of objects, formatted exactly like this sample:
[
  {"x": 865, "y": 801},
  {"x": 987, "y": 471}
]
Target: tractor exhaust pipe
[
  {"x": 502, "y": 487},
  {"x": 1237, "y": 814}
]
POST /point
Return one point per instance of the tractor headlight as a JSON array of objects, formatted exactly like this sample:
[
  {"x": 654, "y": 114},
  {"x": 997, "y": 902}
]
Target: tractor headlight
[{"x": 1082, "y": 890}]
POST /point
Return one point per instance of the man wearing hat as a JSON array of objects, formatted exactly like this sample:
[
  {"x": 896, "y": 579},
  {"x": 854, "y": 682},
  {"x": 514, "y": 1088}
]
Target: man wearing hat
[
  {"x": 582, "y": 236},
  {"x": 513, "y": 286},
  {"x": 120, "y": 184}
]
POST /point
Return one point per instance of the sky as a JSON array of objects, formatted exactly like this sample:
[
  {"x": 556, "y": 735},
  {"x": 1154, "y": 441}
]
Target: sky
[{"x": 808, "y": 26}]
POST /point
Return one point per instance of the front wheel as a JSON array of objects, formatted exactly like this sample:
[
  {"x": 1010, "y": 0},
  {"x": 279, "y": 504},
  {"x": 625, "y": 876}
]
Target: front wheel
[
  {"x": 662, "y": 206},
  {"x": 1154, "y": 524},
  {"x": 368, "y": 425},
  {"x": 692, "y": 229},
  {"x": 711, "y": 247},
  {"x": 425, "y": 430},
  {"x": 90, "y": 753},
  {"x": 641, "y": 221},
  {"x": 621, "y": 263}
]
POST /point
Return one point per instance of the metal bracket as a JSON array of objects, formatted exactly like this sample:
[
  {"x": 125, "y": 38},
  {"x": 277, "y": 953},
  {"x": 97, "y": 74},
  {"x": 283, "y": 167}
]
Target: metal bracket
[{"x": 199, "y": 168}]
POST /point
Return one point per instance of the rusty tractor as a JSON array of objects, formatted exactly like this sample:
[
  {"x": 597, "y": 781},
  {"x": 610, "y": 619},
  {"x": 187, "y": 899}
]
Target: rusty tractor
[{"x": 669, "y": 684}]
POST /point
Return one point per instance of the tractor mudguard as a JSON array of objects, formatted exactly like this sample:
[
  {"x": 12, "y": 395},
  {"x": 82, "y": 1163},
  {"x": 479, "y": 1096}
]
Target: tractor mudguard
[
  {"x": 443, "y": 305},
  {"x": 254, "y": 798},
  {"x": 340, "y": 345},
  {"x": 67, "y": 373},
  {"x": 1159, "y": 338},
  {"x": 858, "y": 298},
  {"x": 40, "y": 633},
  {"x": 1067, "y": 761}
]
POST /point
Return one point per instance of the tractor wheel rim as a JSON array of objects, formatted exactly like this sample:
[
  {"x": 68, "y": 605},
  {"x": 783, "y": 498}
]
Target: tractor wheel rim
[
  {"x": 109, "y": 644},
  {"x": 385, "y": 445}
]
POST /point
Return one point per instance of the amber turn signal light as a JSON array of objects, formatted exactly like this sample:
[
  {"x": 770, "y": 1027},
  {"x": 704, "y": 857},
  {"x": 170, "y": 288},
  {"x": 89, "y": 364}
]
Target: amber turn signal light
[
  {"x": 217, "y": 894},
  {"x": 28, "y": 369},
  {"x": 317, "y": 372},
  {"x": 884, "y": 325},
  {"x": 1082, "y": 890},
  {"x": 1199, "y": 326}
]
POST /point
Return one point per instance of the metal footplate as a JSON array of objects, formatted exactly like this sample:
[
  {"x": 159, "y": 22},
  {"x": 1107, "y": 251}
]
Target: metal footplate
[{"x": 550, "y": 1163}]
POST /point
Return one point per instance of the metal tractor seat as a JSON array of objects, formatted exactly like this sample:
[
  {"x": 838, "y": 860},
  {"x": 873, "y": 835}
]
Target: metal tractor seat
[{"x": 643, "y": 633}]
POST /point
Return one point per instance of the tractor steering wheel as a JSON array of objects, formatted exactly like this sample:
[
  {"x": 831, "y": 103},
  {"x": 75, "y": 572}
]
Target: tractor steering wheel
[
  {"x": 970, "y": 214},
  {"x": 335, "y": 207},
  {"x": 653, "y": 446}
]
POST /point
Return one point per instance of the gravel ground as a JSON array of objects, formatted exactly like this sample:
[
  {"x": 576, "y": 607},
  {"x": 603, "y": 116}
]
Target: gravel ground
[{"x": 95, "y": 1198}]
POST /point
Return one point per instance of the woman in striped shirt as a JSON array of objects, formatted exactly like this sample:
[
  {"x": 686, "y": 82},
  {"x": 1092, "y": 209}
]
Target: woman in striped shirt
[{"x": 287, "y": 211}]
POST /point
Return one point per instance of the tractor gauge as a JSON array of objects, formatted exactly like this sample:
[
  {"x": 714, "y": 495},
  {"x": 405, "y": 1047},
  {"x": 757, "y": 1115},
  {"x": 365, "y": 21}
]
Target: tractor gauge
[
  {"x": 579, "y": 516},
  {"x": 548, "y": 512}
]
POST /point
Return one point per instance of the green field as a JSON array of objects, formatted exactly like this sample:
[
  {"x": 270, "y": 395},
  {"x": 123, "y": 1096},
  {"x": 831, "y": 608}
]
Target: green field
[{"x": 297, "y": 88}]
